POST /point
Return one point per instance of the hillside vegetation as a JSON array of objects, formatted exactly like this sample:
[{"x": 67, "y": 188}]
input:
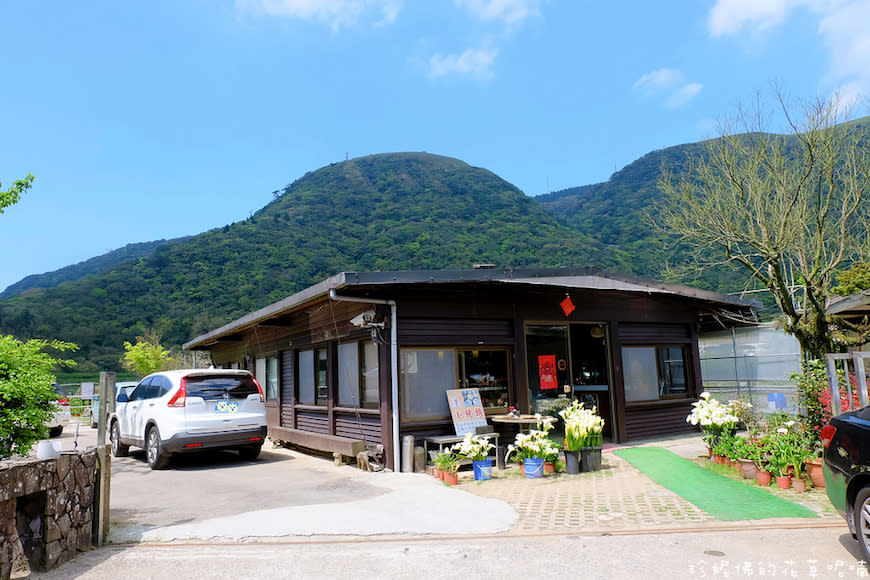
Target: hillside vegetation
[{"x": 390, "y": 211}]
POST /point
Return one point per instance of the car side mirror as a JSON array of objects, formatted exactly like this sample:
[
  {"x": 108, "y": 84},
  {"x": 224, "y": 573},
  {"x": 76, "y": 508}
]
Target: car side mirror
[{"x": 122, "y": 398}]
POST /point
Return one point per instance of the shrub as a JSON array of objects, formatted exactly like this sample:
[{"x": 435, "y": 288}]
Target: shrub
[{"x": 27, "y": 398}]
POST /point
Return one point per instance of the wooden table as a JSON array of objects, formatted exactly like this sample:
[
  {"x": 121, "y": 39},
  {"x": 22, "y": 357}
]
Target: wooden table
[{"x": 523, "y": 422}]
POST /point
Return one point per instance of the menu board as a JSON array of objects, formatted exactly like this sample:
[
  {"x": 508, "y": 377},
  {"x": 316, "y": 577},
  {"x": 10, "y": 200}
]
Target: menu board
[{"x": 466, "y": 410}]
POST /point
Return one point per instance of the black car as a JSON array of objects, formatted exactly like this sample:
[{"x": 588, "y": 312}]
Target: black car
[{"x": 846, "y": 439}]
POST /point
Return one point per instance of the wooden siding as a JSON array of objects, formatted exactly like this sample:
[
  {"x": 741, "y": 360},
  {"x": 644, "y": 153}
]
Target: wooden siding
[
  {"x": 654, "y": 333},
  {"x": 288, "y": 394},
  {"x": 657, "y": 420},
  {"x": 366, "y": 427},
  {"x": 314, "y": 421},
  {"x": 455, "y": 332}
]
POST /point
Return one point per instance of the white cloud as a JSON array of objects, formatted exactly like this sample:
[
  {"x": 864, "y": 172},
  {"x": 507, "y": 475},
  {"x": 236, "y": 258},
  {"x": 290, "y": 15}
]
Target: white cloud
[
  {"x": 659, "y": 80},
  {"x": 471, "y": 62},
  {"x": 511, "y": 12},
  {"x": 670, "y": 83},
  {"x": 683, "y": 95},
  {"x": 730, "y": 16},
  {"x": 336, "y": 13},
  {"x": 842, "y": 27}
]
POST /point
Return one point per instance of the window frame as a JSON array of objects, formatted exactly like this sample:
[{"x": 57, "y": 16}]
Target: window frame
[{"x": 664, "y": 388}]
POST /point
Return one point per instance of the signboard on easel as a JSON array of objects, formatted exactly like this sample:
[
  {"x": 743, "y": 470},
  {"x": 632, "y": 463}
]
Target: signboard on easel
[{"x": 466, "y": 410}]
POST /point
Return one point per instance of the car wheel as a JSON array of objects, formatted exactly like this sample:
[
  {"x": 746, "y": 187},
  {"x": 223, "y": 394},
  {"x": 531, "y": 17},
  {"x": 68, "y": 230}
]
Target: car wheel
[
  {"x": 118, "y": 448},
  {"x": 248, "y": 453},
  {"x": 157, "y": 459},
  {"x": 862, "y": 521},
  {"x": 55, "y": 431}
]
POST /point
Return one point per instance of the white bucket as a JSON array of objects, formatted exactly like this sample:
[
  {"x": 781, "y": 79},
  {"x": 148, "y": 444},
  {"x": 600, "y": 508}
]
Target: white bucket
[{"x": 48, "y": 449}]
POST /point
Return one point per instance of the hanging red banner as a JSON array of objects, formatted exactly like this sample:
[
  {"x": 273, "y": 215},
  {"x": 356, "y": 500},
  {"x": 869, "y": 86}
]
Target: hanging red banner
[
  {"x": 567, "y": 305},
  {"x": 547, "y": 371}
]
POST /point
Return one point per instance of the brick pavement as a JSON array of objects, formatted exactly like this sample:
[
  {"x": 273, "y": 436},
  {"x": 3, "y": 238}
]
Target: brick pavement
[{"x": 619, "y": 498}]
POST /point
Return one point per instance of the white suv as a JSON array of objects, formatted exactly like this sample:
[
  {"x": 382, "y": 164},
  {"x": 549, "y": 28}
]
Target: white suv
[{"x": 189, "y": 410}]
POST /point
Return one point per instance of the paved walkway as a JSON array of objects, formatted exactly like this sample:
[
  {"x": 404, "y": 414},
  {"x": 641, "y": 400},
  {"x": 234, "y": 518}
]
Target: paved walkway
[{"x": 619, "y": 498}]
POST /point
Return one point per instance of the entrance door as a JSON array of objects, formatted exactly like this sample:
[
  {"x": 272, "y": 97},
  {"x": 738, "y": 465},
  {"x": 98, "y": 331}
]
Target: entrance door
[
  {"x": 590, "y": 375},
  {"x": 569, "y": 361}
]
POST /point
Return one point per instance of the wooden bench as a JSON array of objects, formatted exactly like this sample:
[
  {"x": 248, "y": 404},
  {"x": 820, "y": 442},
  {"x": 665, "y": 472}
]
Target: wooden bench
[{"x": 319, "y": 441}]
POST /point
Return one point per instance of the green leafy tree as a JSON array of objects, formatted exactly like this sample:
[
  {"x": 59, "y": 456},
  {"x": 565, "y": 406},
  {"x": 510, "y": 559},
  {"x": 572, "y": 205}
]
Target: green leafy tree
[
  {"x": 145, "y": 357},
  {"x": 789, "y": 211},
  {"x": 26, "y": 394},
  {"x": 13, "y": 194},
  {"x": 855, "y": 279}
]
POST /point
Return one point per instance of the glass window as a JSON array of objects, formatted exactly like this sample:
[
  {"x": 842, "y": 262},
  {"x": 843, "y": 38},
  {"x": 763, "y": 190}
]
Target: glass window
[
  {"x": 260, "y": 371},
  {"x": 305, "y": 372},
  {"x": 322, "y": 389},
  {"x": 211, "y": 387},
  {"x": 358, "y": 375},
  {"x": 652, "y": 372},
  {"x": 272, "y": 378},
  {"x": 425, "y": 377},
  {"x": 487, "y": 371}
]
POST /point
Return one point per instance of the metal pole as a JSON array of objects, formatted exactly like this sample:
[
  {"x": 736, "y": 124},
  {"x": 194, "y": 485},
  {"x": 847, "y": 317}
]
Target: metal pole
[{"x": 734, "y": 350}]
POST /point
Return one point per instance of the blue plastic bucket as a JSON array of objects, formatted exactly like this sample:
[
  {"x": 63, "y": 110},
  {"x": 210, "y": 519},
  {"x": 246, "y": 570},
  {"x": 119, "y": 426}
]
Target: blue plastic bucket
[
  {"x": 534, "y": 467},
  {"x": 482, "y": 469}
]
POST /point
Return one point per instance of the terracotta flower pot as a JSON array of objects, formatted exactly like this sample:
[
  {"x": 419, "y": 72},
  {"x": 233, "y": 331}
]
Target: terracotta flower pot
[
  {"x": 549, "y": 467},
  {"x": 814, "y": 471},
  {"x": 783, "y": 481},
  {"x": 798, "y": 484},
  {"x": 762, "y": 477},
  {"x": 451, "y": 478},
  {"x": 748, "y": 468}
]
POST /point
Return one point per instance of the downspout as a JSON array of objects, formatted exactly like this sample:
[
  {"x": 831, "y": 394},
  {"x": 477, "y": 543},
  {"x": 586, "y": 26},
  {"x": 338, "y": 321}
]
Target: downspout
[{"x": 394, "y": 370}]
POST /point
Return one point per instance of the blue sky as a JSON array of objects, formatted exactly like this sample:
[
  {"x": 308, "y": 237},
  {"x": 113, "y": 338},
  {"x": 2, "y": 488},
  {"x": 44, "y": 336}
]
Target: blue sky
[{"x": 150, "y": 120}]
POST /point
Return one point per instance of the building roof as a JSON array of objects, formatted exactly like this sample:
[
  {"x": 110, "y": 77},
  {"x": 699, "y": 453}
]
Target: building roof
[
  {"x": 364, "y": 283},
  {"x": 853, "y": 306}
]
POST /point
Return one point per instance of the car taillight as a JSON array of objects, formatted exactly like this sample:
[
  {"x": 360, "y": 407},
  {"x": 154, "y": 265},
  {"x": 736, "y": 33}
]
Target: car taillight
[
  {"x": 827, "y": 434},
  {"x": 64, "y": 402},
  {"x": 259, "y": 388},
  {"x": 179, "y": 399}
]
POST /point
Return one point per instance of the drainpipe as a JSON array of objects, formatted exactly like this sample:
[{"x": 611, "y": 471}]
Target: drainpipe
[{"x": 394, "y": 370}]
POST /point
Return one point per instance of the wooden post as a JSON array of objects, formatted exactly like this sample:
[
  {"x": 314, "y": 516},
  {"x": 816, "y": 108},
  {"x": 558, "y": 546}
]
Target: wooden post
[{"x": 104, "y": 465}]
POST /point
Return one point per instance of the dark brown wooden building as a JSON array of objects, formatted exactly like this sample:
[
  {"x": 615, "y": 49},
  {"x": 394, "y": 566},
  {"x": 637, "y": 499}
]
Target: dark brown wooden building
[{"x": 367, "y": 357}]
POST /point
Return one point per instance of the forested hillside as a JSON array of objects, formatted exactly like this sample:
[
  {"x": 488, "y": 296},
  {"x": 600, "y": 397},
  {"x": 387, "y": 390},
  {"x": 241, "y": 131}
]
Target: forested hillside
[
  {"x": 390, "y": 211},
  {"x": 91, "y": 266}
]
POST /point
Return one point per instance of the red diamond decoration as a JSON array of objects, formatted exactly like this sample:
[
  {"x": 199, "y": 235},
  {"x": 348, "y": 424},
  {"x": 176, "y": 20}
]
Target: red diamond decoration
[{"x": 567, "y": 306}]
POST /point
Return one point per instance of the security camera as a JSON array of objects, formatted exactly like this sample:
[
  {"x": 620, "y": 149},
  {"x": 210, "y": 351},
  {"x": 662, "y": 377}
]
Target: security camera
[{"x": 364, "y": 319}]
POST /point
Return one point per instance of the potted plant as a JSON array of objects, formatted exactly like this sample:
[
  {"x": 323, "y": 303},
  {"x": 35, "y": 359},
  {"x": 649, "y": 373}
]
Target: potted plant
[
  {"x": 714, "y": 418},
  {"x": 533, "y": 447},
  {"x": 583, "y": 428},
  {"x": 476, "y": 449},
  {"x": 747, "y": 452},
  {"x": 448, "y": 464}
]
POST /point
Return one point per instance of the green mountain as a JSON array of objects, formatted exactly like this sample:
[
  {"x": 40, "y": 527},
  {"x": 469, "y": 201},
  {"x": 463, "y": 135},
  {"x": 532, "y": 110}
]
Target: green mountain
[
  {"x": 390, "y": 211},
  {"x": 86, "y": 268}
]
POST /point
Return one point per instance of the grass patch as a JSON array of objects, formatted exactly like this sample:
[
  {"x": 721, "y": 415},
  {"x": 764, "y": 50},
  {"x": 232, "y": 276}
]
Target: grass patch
[{"x": 723, "y": 498}]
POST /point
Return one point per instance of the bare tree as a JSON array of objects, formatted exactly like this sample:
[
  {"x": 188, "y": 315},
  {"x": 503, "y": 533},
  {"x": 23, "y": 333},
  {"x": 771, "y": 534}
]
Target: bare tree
[{"x": 790, "y": 209}]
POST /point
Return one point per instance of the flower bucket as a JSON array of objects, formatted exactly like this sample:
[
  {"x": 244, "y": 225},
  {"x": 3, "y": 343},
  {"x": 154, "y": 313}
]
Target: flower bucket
[
  {"x": 482, "y": 469},
  {"x": 534, "y": 467},
  {"x": 572, "y": 461},
  {"x": 590, "y": 459}
]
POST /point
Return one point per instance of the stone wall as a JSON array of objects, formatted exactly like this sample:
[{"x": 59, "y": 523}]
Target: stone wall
[{"x": 46, "y": 511}]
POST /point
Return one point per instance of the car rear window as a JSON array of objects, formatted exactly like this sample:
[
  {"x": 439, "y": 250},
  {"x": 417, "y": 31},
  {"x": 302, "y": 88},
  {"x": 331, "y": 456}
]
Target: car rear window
[{"x": 215, "y": 387}]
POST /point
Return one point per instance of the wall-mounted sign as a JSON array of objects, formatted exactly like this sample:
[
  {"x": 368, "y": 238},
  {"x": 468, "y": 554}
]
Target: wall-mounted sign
[
  {"x": 466, "y": 410},
  {"x": 547, "y": 371}
]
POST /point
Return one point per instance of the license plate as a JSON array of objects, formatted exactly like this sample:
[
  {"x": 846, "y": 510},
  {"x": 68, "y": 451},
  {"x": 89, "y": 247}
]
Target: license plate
[{"x": 226, "y": 407}]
